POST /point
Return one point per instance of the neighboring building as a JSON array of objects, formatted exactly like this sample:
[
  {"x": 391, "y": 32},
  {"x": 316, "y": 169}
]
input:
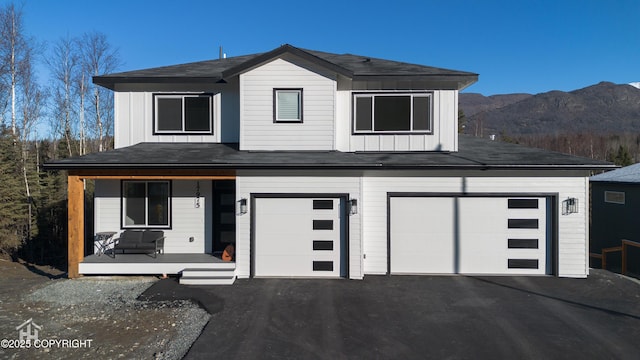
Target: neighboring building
[
  {"x": 322, "y": 165},
  {"x": 615, "y": 205}
]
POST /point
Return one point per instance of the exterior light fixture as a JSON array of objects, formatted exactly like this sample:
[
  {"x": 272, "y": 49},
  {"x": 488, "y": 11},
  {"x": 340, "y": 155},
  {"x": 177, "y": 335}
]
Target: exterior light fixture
[
  {"x": 570, "y": 206},
  {"x": 242, "y": 206},
  {"x": 353, "y": 206}
]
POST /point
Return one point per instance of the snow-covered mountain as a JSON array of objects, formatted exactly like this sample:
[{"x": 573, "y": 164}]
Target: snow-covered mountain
[{"x": 635, "y": 84}]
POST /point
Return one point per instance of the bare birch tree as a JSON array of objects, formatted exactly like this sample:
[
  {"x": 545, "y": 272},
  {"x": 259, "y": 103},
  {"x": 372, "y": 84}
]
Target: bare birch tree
[
  {"x": 32, "y": 101},
  {"x": 23, "y": 100},
  {"x": 14, "y": 48},
  {"x": 64, "y": 64},
  {"x": 99, "y": 57}
]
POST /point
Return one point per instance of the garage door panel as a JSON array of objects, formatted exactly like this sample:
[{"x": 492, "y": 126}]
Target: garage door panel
[
  {"x": 294, "y": 236},
  {"x": 421, "y": 235},
  {"x": 469, "y": 235}
]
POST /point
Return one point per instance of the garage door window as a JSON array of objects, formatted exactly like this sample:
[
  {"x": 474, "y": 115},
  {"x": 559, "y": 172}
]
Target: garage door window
[
  {"x": 523, "y": 203},
  {"x": 322, "y": 245},
  {"x": 323, "y": 266},
  {"x": 523, "y": 243},
  {"x": 523, "y": 223},
  {"x": 322, "y": 204},
  {"x": 523, "y": 263},
  {"x": 322, "y": 224}
]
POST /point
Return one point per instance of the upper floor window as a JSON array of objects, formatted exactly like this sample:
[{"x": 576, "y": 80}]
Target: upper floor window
[
  {"x": 183, "y": 113},
  {"x": 287, "y": 105},
  {"x": 146, "y": 204},
  {"x": 392, "y": 113}
]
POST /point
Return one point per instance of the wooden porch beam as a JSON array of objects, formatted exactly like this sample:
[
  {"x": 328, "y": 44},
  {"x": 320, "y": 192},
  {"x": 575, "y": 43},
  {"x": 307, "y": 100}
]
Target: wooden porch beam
[{"x": 75, "y": 227}]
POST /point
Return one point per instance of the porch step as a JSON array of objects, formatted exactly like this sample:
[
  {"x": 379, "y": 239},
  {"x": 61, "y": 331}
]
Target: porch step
[{"x": 224, "y": 276}]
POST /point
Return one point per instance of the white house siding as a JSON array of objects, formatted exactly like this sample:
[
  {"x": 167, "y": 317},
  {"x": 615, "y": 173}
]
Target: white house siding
[
  {"x": 107, "y": 205},
  {"x": 253, "y": 182},
  {"x": 444, "y": 137},
  {"x": 258, "y": 130},
  {"x": 572, "y": 229},
  {"x": 187, "y": 221},
  {"x": 133, "y": 117}
]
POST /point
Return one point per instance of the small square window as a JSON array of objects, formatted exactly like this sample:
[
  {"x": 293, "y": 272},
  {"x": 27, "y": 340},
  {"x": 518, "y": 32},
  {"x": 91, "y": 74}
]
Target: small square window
[{"x": 287, "y": 105}]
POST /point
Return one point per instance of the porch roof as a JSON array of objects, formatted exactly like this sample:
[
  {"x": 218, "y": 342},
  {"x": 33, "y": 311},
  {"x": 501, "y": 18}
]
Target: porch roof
[{"x": 473, "y": 154}]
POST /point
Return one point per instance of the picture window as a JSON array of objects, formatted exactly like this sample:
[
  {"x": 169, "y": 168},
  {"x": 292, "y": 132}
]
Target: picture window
[
  {"x": 392, "y": 113},
  {"x": 183, "y": 113},
  {"x": 146, "y": 204}
]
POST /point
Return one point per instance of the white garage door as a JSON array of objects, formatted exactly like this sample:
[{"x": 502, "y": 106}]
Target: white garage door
[
  {"x": 299, "y": 237},
  {"x": 469, "y": 235}
]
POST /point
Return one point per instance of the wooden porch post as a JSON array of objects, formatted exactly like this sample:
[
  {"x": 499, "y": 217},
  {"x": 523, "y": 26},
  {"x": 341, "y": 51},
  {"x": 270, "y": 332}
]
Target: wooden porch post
[{"x": 75, "y": 229}]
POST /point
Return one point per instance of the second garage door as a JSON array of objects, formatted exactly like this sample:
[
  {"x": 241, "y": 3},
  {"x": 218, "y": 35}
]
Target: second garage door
[
  {"x": 470, "y": 235},
  {"x": 299, "y": 237}
]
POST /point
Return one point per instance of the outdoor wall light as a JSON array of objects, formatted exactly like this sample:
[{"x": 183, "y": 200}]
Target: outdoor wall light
[
  {"x": 242, "y": 206},
  {"x": 353, "y": 206},
  {"x": 570, "y": 206}
]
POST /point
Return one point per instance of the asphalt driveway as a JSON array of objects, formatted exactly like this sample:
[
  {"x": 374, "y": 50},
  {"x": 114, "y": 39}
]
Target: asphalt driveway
[{"x": 419, "y": 317}]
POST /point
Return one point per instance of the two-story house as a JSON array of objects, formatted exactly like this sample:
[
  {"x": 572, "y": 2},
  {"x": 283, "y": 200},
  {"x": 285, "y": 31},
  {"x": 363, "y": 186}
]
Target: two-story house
[{"x": 313, "y": 164}]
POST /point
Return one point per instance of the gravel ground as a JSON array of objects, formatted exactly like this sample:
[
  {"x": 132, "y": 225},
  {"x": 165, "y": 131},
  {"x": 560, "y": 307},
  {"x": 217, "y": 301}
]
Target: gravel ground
[{"x": 104, "y": 310}]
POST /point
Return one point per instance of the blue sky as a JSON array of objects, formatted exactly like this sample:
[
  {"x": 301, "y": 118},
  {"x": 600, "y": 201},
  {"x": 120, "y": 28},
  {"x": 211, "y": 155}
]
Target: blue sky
[{"x": 515, "y": 46}]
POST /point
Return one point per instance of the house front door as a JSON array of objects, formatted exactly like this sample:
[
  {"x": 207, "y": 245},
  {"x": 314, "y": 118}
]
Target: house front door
[{"x": 224, "y": 214}]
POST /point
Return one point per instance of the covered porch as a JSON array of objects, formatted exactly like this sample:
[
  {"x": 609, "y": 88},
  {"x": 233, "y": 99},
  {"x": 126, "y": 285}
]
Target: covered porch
[{"x": 177, "y": 260}]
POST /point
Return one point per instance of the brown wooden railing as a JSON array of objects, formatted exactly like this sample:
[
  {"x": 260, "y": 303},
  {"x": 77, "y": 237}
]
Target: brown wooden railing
[{"x": 622, "y": 248}]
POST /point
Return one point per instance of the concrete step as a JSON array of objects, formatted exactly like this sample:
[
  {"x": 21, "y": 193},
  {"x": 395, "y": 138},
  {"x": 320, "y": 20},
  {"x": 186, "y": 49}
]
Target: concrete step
[
  {"x": 194, "y": 276},
  {"x": 207, "y": 281}
]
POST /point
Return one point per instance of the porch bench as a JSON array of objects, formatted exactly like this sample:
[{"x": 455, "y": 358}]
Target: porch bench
[{"x": 140, "y": 241}]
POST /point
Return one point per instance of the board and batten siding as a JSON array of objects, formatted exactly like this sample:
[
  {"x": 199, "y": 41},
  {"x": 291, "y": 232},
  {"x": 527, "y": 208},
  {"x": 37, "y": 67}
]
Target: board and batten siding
[
  {"x": 134, "y": 122},
  {"x": 186, "y": 220},
  {"x": 248, "y": 183},
  {"x": 257, "y": 128},
  {"x": 572, "y": 229},
  {"x": 443, "y": 138}
]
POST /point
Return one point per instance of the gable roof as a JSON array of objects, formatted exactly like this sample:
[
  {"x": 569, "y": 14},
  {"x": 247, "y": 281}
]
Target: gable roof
[
  {"x": 355, "y": 67},
  {"x": 627, "y": 174},
  {"x": 473, "y": 154}
]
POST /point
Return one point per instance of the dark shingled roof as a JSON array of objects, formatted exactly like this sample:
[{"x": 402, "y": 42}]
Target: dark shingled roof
[
  {"x": 474, "y": 154},
  {"x": 356, "y": 67}
]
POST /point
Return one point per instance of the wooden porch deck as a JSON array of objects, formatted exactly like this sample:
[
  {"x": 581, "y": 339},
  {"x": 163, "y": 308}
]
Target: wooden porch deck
[{"x": 142, "y": 264}]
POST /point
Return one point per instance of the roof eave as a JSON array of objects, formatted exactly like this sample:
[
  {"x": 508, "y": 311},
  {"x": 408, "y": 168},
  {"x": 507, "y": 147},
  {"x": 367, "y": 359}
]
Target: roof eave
[
  {"x": 440, "y": 81},
  {"x": 110, "y": 82},
  {"x": 303, "y": 166}
]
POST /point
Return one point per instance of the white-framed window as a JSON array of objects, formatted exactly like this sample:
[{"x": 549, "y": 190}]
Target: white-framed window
[
  {"x": 287, "y": 105},
  {"x": 392, "y": 113},
  {"x": 614, "y": 197},
  {"x": 183, "y": 113},
  {"x": 146, "y": 204}
]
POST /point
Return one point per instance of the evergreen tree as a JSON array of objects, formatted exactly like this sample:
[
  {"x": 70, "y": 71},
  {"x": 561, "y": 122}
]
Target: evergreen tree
[
  {"x": 621, "y": 157},
  {"x": 13, "y": 219}
]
